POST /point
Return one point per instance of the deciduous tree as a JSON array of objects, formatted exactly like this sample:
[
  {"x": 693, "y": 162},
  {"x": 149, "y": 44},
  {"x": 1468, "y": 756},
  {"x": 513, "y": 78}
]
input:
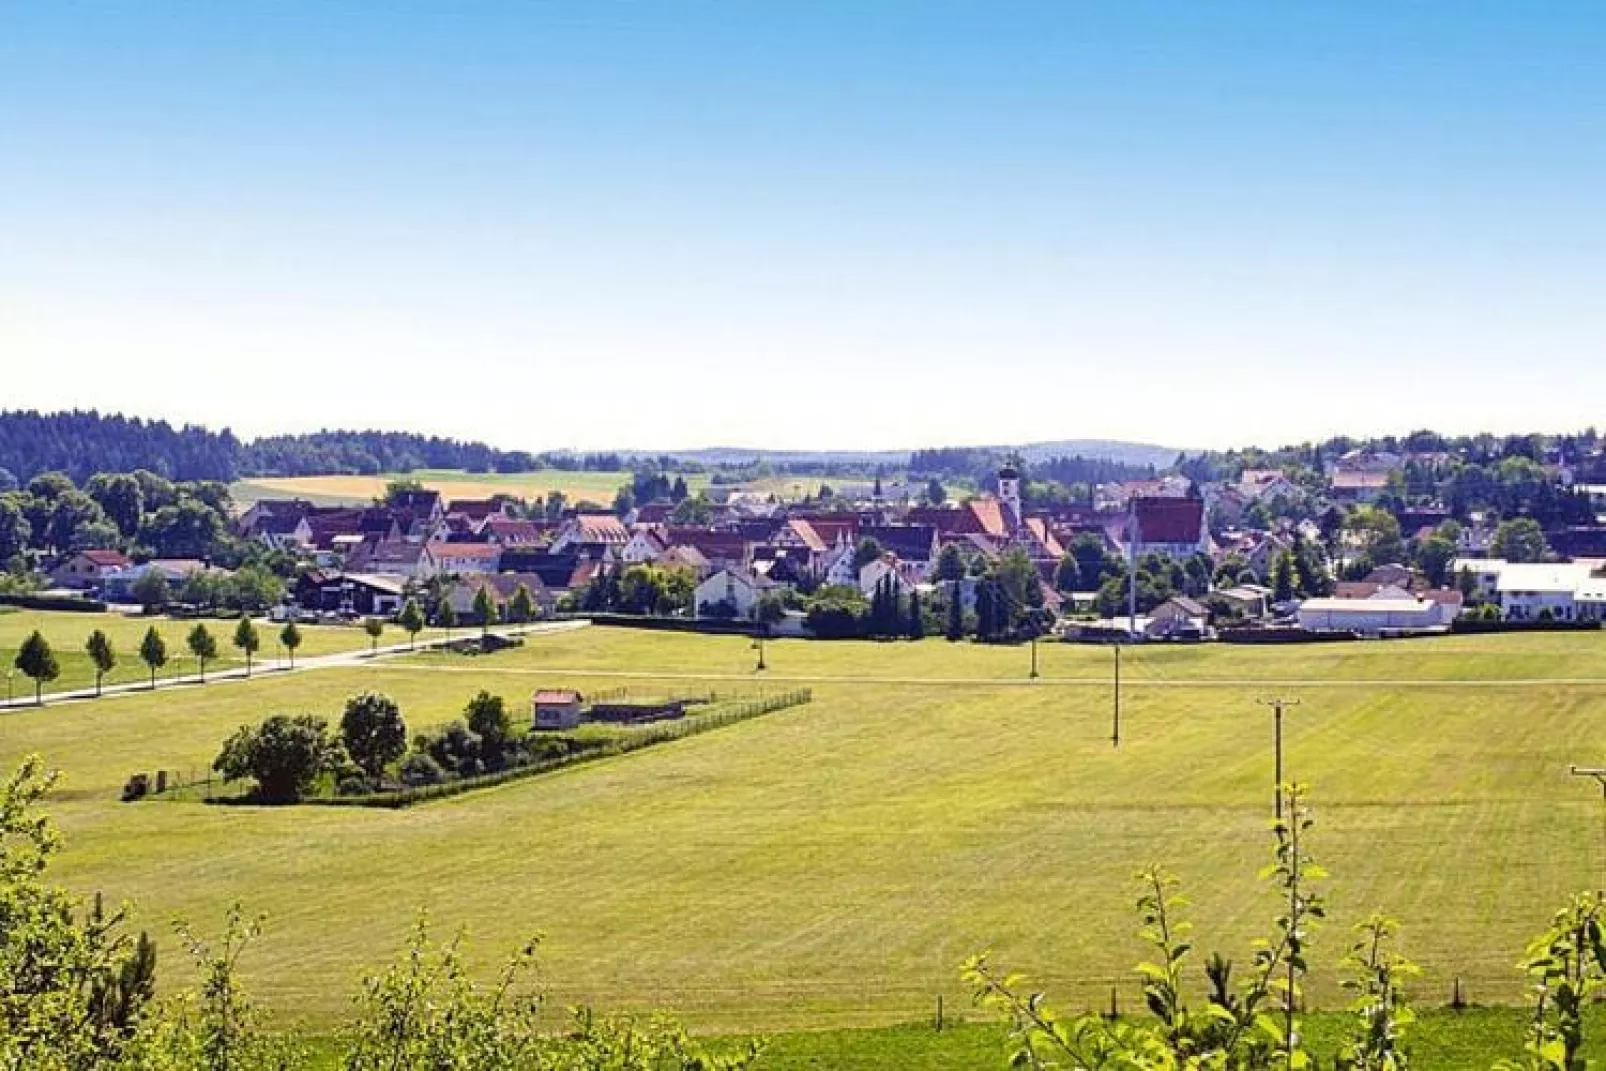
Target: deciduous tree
[
  {"x": 38, "y": 663},
  {"x": 153, "y": 652},
  {"x": 102, "y": 654}
]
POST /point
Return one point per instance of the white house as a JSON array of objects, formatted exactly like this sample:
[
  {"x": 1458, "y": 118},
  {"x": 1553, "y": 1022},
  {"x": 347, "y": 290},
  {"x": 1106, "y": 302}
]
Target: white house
[
  {"x": 463, "y": 557},
  {"x": 905, "y": 575},
  {"x": 738, "y": 588},
  {"x": 1526, "y": 591},
  {"x": 647, "y": 544}
]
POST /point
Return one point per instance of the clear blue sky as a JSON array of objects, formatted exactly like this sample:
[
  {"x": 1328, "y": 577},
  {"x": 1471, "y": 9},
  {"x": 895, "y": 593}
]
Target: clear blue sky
[{"x": 807, "y": 224}]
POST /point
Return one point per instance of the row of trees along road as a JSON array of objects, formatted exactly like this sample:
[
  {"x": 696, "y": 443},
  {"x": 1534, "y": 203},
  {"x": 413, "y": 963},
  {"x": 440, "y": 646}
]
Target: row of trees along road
[{"x": 37, "y": 660}]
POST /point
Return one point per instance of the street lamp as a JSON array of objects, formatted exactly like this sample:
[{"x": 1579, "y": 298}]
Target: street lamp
[
  {"x": 1277, "y": 704},
  {"x": 1596, "y": 772}
]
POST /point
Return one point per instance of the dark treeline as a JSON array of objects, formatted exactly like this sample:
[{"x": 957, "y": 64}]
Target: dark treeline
[
  {"x": 84, "y": 442},
  {"x": 81, "y": 443}
]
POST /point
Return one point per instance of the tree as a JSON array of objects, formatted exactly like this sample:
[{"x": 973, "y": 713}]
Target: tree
[
  {"x": 38, "y": 663},
  {"x": 1434, "y": 556},
  {"x": 950, "y": 563},
  {"x": 102, "y": 654},
  {"x": 695, "y": 509},
  {"x": 936, "y": 494},
  {"x": 290, "y": 637},
  {"x": 411, "y": 619},
  {"x": 15, "y": 531},
  {"x": 151, "y": 590},
  {"x": 203, "y": 645},
  {"x": 373, "y": 732},
  {"x": 284, "y": 755},
  {"x": 445, "y": 616},
  {"x": 769, "y": 610},
  {"x": 153, "y": 652},
  {"x": 867, "y": 551},
  {"x": 375, "y": 627},
  {"x": 1067, "y": 574},
  {"x": 917, "y": 621},
  {"x": 1282, "y": 584},
  {"x": 488, "y": 719},
  {"x": 956, "y": 612},
  {"x": 1520, "y": 540},
  {"x": 835, "y": 612},
  {"x": 247, "y": 639},
  {"x": 121, "y": 498},
  {"x": 485, "y": 608},
  {"x": 521, "y": 605},
  {"x": 188, "y": 529}
]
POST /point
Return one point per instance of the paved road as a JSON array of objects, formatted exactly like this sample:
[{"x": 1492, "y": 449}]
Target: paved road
[{"x": 362, "y": 656}]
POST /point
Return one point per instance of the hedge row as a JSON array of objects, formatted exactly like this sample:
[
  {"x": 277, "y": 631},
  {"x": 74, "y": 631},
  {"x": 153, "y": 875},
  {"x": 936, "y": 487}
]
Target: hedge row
[
  {"x": 54, "y": 602},
  {"x": 1474, "y": 624},
  {"x": 729, "y": 714},
  {"x": 712, "y": 626}
]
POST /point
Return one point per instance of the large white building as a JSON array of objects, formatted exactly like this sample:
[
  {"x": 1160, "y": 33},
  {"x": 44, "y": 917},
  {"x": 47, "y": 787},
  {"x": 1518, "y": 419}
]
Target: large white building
[
  {"x": 1528, "y": 592},
  {"x": 1372, "y": 616}
]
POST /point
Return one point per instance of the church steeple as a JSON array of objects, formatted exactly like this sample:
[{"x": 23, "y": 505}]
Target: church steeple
[{"x": 1009, "y": 477}]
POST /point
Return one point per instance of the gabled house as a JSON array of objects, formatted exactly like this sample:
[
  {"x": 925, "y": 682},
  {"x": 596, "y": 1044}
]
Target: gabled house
[
  {"x": 1171, "y": 527},
  {"x": 591, "y": 531},
  {"x": 730, "y": 592},
  {"x": 87, "y": 568},
  {"x": 461, "y": 558}
]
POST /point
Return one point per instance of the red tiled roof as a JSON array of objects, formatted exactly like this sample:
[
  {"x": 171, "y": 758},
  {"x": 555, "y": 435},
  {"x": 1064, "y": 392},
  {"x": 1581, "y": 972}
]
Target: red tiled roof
[
  {"x": 557, "y": 695},
  {"x": 106, "y": 559},
  {"x": 464, "y": 550},
  {"x": 1169, "y": 520}
]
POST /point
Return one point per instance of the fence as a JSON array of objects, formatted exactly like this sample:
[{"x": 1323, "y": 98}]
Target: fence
[{"x": 729, "y": 713}]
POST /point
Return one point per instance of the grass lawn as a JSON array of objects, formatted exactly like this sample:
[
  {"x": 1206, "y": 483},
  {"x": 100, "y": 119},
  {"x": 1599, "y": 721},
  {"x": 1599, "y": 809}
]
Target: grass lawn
[
  {"x": 599, "y": 487},
  {"x": 828, "y": 866},
  {"x": 68, "y": 631}
]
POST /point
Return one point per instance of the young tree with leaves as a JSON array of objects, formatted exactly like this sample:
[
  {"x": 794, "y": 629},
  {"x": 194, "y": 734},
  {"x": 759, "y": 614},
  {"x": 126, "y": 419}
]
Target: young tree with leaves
[
  {"x": 38, "y": 663},
  {"x": 956, "y": 612},
  {"x": 102, "y": 654},
  {"x": 247, "y": 639},
  {"x": 488, "y": 719},
  {"x": 521, "y": 605},
  {"x": 153, "y": 652},
  {"x": 485, "y": 608},
  {"x": 445, "y": 616},
  {"x": 203, "y": 645},
  {"x": 375, "y": 628},
  {"x": 290, "y": 637},
  {"x": 411, "y": 619}
]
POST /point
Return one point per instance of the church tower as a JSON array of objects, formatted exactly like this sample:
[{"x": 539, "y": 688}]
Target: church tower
[{"x": 1009, "y": 493}]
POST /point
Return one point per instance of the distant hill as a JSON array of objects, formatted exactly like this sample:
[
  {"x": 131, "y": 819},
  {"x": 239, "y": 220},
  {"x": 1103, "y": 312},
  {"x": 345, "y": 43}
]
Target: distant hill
[{"x": 1139, "y": 455}]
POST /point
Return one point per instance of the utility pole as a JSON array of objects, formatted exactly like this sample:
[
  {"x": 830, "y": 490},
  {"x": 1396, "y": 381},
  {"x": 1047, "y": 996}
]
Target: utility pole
[
  {"x": 1599, "y": 774},
  {"x": 1278, "y": 704},
  {"x": 1115, "y": 732}
]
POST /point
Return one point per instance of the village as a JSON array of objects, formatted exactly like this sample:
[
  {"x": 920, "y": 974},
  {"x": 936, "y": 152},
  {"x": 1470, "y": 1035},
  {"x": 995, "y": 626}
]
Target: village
[{"x": 1263, "y": 555}]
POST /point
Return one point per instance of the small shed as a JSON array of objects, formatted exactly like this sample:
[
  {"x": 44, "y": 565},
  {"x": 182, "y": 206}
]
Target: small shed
[{"x": 556, "y": 708}]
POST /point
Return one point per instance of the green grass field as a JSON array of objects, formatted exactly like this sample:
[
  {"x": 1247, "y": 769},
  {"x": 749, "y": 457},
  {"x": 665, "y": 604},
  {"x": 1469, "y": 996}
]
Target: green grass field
[
  {"x": 67, "y": 633},
  {"x": 828, "y": 866}
]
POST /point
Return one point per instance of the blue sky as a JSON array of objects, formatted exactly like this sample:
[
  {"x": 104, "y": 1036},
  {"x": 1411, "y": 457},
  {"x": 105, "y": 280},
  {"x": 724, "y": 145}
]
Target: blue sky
[{"x": 807, "y": 224}]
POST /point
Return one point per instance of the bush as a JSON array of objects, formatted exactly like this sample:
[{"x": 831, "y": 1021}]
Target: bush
[{"x": 419, "y": 769}]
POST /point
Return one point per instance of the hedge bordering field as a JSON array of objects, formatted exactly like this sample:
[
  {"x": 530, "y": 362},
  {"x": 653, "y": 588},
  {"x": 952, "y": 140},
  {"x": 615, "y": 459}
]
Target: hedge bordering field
[{"x": 735, "y": 711}]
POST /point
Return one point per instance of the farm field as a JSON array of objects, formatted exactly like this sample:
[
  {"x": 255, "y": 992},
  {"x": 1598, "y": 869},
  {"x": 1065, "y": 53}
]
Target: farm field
[
  {"x": 68, "y": 631},
  {"x": 829, "y": 865},
  {"x": 599, "y": 487}
]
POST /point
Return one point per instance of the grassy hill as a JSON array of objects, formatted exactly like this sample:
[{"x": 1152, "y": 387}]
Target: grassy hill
[{"x": 830, "y": 865}]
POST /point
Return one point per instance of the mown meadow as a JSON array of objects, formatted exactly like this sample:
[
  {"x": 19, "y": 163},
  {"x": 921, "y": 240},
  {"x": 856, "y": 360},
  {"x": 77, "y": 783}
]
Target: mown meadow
[{"x": 827, "y": 867}]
